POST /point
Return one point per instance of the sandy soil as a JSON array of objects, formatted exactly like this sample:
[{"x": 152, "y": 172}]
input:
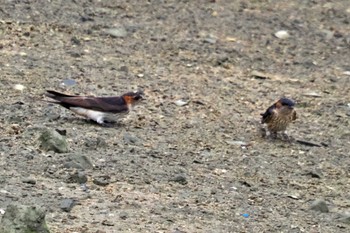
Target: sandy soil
[{"x": 202, "y": 167}]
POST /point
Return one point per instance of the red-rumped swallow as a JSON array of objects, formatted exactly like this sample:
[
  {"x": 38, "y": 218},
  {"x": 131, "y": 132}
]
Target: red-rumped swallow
[
  {"x": 98, "y": 109},
  {"x": 278, "y": 116}
]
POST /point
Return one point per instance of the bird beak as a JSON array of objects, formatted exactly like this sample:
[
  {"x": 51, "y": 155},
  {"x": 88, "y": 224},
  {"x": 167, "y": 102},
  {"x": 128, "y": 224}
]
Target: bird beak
[
  {"x": 142, "y": 97},
  {"x": 141, "y": 94}
]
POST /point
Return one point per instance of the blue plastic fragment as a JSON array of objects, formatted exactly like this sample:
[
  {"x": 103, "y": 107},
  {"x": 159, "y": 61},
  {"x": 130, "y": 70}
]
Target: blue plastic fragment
[
  {"x": 69, "y": 82},
  {"x": 245, "y": 215}
]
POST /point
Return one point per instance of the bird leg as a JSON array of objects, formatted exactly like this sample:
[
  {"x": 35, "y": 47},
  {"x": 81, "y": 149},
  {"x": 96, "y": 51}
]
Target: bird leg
[
  {"x": 273, "y": 135},
  {"x": 286, "y": 137},
  {"x": 103, "y": 123},
  {"x": 108, "y": 123}
]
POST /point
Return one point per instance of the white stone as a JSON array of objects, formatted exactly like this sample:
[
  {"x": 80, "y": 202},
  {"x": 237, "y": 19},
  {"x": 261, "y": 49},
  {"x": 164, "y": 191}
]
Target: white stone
[
  {"x": 19, "y": 87},
  {"x": 282, "y": 34}
]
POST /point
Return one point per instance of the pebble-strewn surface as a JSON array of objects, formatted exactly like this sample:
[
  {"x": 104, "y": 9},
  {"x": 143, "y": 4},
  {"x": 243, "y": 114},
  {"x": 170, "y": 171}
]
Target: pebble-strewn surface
[{"x": 190, "y": 158}]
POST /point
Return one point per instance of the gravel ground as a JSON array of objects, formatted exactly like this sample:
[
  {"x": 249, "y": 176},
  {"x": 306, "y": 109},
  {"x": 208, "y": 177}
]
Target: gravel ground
[{"x": 200, "y": 167}]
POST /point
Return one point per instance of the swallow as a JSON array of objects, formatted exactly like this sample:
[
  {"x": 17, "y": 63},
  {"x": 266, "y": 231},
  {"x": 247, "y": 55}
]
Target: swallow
[
  {"x": 278, "y": 116},
  {"x": 98, "y": 109}
]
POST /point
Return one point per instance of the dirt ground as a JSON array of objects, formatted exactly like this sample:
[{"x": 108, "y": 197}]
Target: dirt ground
[{"x": 201, "y": 167}]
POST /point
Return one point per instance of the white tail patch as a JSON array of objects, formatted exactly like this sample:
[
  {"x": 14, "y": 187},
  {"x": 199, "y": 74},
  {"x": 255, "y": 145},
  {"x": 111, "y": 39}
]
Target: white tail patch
[{"x": 91, "y": 114}]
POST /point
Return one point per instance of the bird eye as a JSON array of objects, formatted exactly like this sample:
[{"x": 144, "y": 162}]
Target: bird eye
[{"x": 137, "y": 97}]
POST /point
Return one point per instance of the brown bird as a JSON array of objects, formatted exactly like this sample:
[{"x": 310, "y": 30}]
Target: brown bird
[
  {"x": 278, "y": 116},
  {"x": 98, "y": 109}
]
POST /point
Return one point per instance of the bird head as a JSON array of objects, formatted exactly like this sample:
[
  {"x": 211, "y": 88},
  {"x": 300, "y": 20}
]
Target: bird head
[
  {"x": 133, "y": 98},
  {"x": 285, "y": 105}
]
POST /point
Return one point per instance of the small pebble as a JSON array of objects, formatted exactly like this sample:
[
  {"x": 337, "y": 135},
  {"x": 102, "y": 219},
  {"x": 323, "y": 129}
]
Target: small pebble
[
  {"x": 319, "y": 205},
  {"x": 181, "y": 102},
  {"x": 68, "y": 82},
  {"x": 180, "y": 179},
  {"x": 282, "y": 34},
  {"x": 95, "y": 142},
  {"x": 84, "y": 187},
  {"x": 317, "y": 173},
  {"x": 124, "y": 69},
  {"x": 312, "y": 94},
  {"x": 29, "y": 181},
  {"x": 328, "y": 34},
  {"x": 102, "y": 180},
  {"x": 123, "y": 215},
  {"x": 231, "y": 39},
  {"x": 79, "y": 162},
  {"x": 107, "y": 223},
  {"x": 117, "y": 32},
  {"x": 239, "y": 143},
  {"x": 77, "y": 177},
  {"x": 19, "y": 87},
  {"x": 130, "y": 139},
  {"x": 210, "y": 40},
  {"x": 67, "y": 204},
  {"x": 294, "y": 196},
  {"x": 260, "y": 75},
  {"x": 345, "y": 218}
]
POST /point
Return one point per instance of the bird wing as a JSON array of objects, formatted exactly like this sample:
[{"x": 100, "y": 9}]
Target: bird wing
[
  {"x": 57, "y": 95},
  {"x": 267, "y": 116},
  {"x": 115, "y": 104}
]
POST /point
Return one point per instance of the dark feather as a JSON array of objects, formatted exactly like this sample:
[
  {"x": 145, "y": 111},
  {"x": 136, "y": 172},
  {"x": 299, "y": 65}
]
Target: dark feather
[
  {"x": 56, "y": 95},
  {"x": 267, "y": 116},
  {"x": 287, "y": 102},
  {"x": 114, "y": 104}
]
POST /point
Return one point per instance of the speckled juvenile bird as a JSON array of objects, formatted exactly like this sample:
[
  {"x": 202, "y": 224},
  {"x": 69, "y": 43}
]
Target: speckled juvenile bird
[
  {"x": 278, "y": 116},
  {"x": 102, "y": 110}
]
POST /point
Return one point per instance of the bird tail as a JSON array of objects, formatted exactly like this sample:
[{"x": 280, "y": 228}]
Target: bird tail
[{"x": 56, "y": 95}]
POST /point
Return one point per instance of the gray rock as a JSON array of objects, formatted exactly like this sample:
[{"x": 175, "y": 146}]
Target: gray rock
[
  {"x": 124, "y": 69},
  {"x": 15, "y": 119},
  {"x": 317, "y": 173},
  {"x": 96, "y": 143},
  {"x": 107, "y": 223},
  {"x": 23, "y": 219},
  {"x": 29, "y": 180},
  {"x": 345, "y": 218},
  {"x": 51, "y": 140},
  {"x": 178, "y": 231},
  {"x": 77, "y": 177},
  {"x": 67, "y": 204},
  {"x": 210, "y": 40},
  {"x": 319, "y": 205},
  {"x": 117, "y": 32},
  {"x": 84, "y": 187},
  {"x": 130, "y": 139},
  {"x": 123, "y": 215},
  {"x": 179, "y": 179},
  {"x": 80, "y": 162},
  {"x": 52, "y": 116},
  {"x": 102, "y": 180}
]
